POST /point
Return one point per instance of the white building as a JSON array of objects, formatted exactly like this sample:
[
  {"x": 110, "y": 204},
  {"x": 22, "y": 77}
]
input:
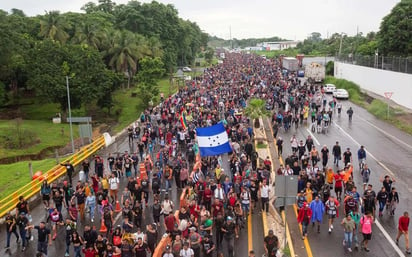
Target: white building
[{"x": 278, "y": 45}]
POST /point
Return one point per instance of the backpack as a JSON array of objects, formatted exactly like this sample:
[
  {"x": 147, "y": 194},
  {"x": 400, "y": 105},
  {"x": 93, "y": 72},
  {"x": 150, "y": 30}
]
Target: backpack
[
  {"x": 155, "y": 183},
  {"x": 45, "y": 190}
]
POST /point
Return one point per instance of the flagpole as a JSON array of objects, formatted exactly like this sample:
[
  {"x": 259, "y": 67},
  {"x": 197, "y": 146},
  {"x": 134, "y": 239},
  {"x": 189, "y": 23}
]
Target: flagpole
[{"x": 225, "y": 157}]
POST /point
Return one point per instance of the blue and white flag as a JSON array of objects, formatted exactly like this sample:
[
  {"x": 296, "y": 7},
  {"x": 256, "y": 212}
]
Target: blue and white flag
[{"x": 213, "y": 140}]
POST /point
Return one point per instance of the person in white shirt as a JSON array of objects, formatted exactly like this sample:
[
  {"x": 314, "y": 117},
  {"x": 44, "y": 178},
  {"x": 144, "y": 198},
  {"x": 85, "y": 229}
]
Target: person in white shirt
[
  {"x": 186, "y": 251},
  {"x": 288, "y": 171},
  {"x": 219, "y": 193},
  {"x": 113, "y": 187},
  {"x": 294, "y": 144},
  {"x": 264, "y": 195},
  {"x": 167, "y": 206}
]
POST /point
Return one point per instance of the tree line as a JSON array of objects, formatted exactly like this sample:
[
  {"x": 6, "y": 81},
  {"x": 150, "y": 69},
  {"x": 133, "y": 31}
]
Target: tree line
[
  {"x": 394, "y": 38},
  {"x": 99, "y": 50}
]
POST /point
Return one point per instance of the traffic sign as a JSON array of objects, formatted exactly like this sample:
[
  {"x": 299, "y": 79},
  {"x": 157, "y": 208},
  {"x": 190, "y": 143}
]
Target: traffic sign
[{"x": 388, "y": 95}]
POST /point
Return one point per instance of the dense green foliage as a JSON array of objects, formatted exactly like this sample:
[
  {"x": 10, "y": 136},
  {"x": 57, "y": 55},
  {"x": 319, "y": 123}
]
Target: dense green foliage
[
  {"x": 99, "y": 50},
  {"x": 395, "y": 35}
]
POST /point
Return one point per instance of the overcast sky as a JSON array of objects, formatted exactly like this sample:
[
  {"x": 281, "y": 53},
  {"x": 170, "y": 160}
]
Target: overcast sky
[{"x": 289, "y": 19}]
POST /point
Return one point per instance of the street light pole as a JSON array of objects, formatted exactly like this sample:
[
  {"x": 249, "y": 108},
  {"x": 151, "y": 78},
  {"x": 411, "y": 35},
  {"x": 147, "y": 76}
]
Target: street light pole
[
  {"x": 70, "y": 112},
  {"x": 340, "y": 45}
]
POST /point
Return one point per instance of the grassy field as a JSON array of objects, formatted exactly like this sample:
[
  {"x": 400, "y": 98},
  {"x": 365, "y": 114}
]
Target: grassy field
[
  {"x": 129, "y": 108},
  {"x": 45, "y": 133},
  {"x": 13, "y": 176}
]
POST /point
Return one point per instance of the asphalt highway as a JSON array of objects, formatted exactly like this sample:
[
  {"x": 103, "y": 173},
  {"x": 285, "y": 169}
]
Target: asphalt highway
[
  {"x": 58, "y": 246},
  {"x": 389, "y": 151}
]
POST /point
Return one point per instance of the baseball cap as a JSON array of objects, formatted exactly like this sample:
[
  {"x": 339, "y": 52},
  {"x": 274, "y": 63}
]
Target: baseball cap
[
  {"x": 270, "y": 232},
  {"x": 229, "y": 218}
]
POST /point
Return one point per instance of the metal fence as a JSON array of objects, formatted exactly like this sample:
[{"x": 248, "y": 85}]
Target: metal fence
[{"x": 390, "y": 63}]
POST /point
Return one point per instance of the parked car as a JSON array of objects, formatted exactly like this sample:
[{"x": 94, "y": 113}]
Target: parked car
[
  {"x": 329, "y": 88},
  {"x": 186, "y": 69},
  {"x": 341, "y": 93}
]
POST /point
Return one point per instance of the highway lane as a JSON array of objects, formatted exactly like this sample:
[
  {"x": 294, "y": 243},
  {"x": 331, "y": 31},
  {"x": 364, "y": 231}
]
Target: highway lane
[{"x": 389, "y": 152}]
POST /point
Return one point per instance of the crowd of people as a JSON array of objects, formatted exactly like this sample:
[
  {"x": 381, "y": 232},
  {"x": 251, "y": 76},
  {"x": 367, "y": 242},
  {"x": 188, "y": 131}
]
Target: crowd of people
[
  {"x": 318, "y": 177},
  {"x": 219, "y": 201},
  {"x": 164, "y": 156}
]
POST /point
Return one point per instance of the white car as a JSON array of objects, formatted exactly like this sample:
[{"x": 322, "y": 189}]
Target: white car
[
  {"x": 329, "y": 88},
  {"x": 186, "y": 69},
  {"x": 341, "y": 93}
]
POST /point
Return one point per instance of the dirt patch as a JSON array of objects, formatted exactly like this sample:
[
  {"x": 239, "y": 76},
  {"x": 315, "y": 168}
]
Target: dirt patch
[
  {"x": 368, "y": 98},
  {"x": 405, "y": 118}
]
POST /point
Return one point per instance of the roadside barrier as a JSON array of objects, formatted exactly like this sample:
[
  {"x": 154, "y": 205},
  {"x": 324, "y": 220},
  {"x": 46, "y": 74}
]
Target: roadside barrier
[{"x": 29, "y": 190}]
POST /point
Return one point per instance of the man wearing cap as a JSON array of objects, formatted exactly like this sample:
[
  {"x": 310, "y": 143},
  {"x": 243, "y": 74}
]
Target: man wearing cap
[
  {"x": 229, "y": 230},
  {"x": 271, "y": 244},
  {"x": 195, "y": 241}
]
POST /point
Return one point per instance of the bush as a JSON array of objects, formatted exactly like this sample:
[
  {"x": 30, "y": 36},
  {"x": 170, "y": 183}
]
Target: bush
[
  {"x": 380, "y": 109},
  {"x": 355, "y": 94},
  {"x": 330, "y": 68}
]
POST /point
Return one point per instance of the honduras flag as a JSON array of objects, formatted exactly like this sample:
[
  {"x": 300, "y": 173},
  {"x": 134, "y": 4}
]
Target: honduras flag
[{"x": 213, "y": 140}]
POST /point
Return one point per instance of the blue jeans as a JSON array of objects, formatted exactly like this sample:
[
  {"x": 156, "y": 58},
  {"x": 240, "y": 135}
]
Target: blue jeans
[
  {"x": 381, "y": 206},
  {"x": 355, "y": 235},
  {"x": 67, "y": 244},
  {"x": 168, "y": 185},
  {"x": 9, "y": 236},
  {"x": 92, "y": 208},
  {"x": 77, "y": 251},
  {"x": 23, "y": 233},
  {"x": 348, "y": 239},
  {"x": 336, "y": 159}
]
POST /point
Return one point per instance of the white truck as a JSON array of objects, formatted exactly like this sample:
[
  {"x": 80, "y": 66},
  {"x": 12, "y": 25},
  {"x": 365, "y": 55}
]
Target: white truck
[
  {"x": 315, "y": 72},
  {"x": 290, "y": 63}
]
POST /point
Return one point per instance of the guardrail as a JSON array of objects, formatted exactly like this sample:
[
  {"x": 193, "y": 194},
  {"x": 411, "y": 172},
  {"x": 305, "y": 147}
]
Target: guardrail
[
  {"x": 9, "y": 203},
  {"x": 161, "y": 246}
]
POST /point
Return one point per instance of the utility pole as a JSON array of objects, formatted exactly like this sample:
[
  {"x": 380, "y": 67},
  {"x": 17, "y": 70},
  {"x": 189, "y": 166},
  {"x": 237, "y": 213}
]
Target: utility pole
[
  {"x": 70, "y": 112},
  {"x": 230, "y": 36}
]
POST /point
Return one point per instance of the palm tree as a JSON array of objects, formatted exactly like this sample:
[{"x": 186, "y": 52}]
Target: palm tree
[
  {"x": 255, "y": 109},
  {"x": 89, "y": 33},
  {"x": 125, "y": 52},
  {"x": 155, "y": 47},
  {"x": 53, "y": 26}
]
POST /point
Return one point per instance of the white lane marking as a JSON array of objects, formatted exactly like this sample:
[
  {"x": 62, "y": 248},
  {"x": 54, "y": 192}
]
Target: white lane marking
[
  {"x": 314, "y": 138},
  {"x": 381, "y": 228},
  {"x": 369, "y": 153},
  {"x": 399, "y": 251},
  {"x": 386, "y": 133}
]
